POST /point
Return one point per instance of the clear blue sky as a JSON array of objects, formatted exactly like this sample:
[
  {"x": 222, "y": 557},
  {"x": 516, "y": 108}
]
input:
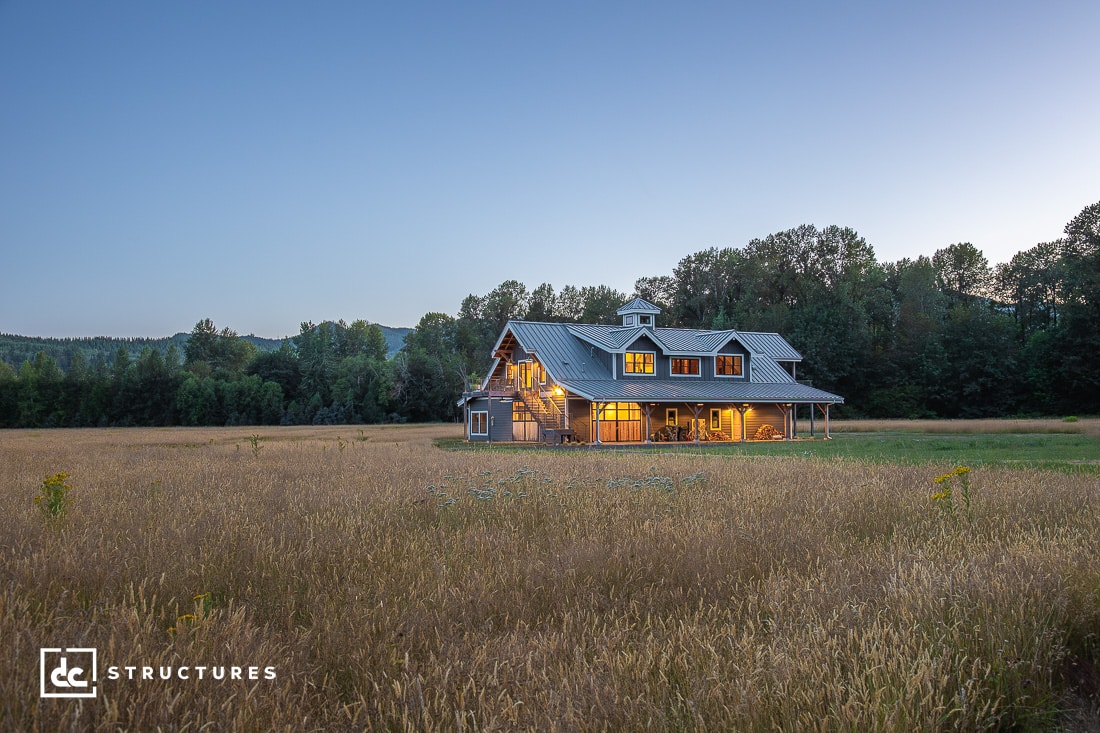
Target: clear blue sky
[{"x": 262, "y": 164}]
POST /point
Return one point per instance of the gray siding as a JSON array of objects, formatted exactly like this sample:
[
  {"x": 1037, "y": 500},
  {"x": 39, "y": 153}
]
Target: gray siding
[
  {"x": 500, "y": 421},
  {"x": 580, "y": 419},
  {"x": 763, "y": 415}
]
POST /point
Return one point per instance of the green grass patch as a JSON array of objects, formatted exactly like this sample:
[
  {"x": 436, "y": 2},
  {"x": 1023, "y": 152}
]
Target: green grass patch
[
  {"x": 1063, "y": 452},
  {"x": 1068, "y": 452}
]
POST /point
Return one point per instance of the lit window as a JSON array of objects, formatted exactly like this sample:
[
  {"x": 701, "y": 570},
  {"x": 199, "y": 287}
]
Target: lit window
[
  {"x": 618, "y": 411},
  {"x": 684, "y": 366},
  {"x": 715, "y": 419},
  {"x": 479, "y": 423},
  {"x": 638, "y": 362},
  {"x": 727, "y": 365},
  {"x": 671, "y": 417}
]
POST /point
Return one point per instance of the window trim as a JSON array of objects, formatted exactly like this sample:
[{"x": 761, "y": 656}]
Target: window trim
[
  {"x": 698, "y": 363},
  {"x": 484, "y": 420},
  {"x": 740, "y": 357},
  {"x": 715, "y": 412},
  {"x": 674, "y": 413},
  {"x": 651, "y": 373}
]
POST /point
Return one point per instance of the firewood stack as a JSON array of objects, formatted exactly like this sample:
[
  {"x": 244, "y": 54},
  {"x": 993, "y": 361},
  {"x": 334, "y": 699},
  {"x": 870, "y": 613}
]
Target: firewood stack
[{"x": 767, "y": 432}]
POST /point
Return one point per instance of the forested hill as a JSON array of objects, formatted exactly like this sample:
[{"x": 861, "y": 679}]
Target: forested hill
[
  {"x": 942, "y": 336},
  {"x": 14, "y": 350}
]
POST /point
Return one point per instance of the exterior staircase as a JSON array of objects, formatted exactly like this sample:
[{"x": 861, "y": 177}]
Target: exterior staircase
[{"x": 546, "y": 411}]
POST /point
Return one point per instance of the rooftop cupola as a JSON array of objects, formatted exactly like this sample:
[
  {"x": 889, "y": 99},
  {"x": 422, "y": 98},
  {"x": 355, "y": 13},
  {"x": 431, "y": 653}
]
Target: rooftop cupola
[{"x": 639, "y": 312}]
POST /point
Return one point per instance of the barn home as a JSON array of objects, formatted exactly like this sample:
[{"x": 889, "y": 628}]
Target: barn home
[{"x": 635, "y": 382}]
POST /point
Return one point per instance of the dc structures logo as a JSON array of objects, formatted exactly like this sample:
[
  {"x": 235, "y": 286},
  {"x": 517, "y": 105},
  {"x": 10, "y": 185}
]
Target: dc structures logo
[{"x": 68, "y": 672}]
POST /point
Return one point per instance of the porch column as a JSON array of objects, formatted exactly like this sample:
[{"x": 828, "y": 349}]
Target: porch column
[
  {"x": 825, "y": 412},
  {"x": 597, "y": 441},
  {"x": 695, "y": 410},
  {"x": 786, "y": 419},
  {"x": 812, "y": 408},
  {"x": 741, "y": 411},
  {"x": 647, "y": 408}
]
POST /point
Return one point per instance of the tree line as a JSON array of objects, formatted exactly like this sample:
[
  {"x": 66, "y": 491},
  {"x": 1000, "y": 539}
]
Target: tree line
[{"x": 941, "y": 336}]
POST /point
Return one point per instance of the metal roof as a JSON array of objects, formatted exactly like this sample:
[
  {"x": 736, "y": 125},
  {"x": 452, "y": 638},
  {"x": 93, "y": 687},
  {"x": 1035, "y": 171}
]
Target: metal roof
[
  {"x": 771, "y": 344},
  {"x": 638, "y": 306},
  {"x": 562, "y": 354},
  {"x": 683, "y": 340},
  {"x": 574, "y": 356},
  {"x": 610, "y": 338},
  {"x": 768, "y": 371}
]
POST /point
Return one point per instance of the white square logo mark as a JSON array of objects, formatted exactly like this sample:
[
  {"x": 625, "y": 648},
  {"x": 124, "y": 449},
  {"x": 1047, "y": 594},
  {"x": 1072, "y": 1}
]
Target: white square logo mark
[{"x": 68, "y": 672}]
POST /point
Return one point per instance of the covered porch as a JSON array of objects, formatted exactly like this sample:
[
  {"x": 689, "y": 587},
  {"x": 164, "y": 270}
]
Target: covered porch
[{"x": 694, "y": 422}]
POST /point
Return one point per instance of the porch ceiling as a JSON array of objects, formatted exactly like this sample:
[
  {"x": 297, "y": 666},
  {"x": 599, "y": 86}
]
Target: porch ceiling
[{"x": 694, "y": 390}]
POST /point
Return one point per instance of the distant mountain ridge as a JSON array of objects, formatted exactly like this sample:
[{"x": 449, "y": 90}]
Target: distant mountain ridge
[{"x": 15, "y": 349}]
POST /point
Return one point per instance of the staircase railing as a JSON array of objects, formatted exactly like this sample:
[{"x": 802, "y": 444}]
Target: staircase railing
[{"x": 546, "y": 412}]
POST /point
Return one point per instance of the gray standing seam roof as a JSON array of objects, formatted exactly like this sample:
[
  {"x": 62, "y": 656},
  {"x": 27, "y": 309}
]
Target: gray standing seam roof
[
  {"x": 638, "y": 306},
  {"x": 569, "y": 354}
]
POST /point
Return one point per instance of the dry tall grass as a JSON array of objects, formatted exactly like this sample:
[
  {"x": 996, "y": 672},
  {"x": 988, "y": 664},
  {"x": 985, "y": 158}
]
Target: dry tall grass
[{"x": 394, "y": 586}]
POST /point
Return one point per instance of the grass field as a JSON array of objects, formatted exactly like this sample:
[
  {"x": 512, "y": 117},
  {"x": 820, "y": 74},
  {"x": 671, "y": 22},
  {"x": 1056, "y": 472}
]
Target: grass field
[
  {"x": 1049, "y": 444},
  {"x": 391, "y": 585},
  {"x": 1076, "y": 452}
]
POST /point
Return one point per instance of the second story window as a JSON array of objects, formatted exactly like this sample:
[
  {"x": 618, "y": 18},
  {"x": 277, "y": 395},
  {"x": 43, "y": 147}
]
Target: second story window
[
  {"x": 638, "y": 362},
  {"x": 727, "y": 365},
  {"x": 685, "y": 366}
]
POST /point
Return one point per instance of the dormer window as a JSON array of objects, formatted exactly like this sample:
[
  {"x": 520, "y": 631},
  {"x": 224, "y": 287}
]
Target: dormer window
[
  {"x": 728, "y": 365},
  {"x": 644, "y": 320},
  {"x": 638, "y": 362},
  {"x": 628, "y": 320},
  {"x": 685, "y": 366}
]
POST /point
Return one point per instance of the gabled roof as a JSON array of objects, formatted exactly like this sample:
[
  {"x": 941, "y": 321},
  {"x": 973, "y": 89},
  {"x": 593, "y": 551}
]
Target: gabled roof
[
  {"x": 560, "y": 353},
  {"x": 683, "y": 340},
  {"x": 608, "y": 338},
  {"x": 638, "y": 306},
  {"x": 575, "y": 356}
]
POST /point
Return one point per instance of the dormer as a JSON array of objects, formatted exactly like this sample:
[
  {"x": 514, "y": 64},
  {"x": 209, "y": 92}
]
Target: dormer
[{"x": 639, "y": 313}]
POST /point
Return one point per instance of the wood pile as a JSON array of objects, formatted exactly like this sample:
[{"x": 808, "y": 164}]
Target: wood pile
[
  {"x": 670, "y": 433},
  {"x": 705, "y": 434},
  {"x": 767, "y": 432}
]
